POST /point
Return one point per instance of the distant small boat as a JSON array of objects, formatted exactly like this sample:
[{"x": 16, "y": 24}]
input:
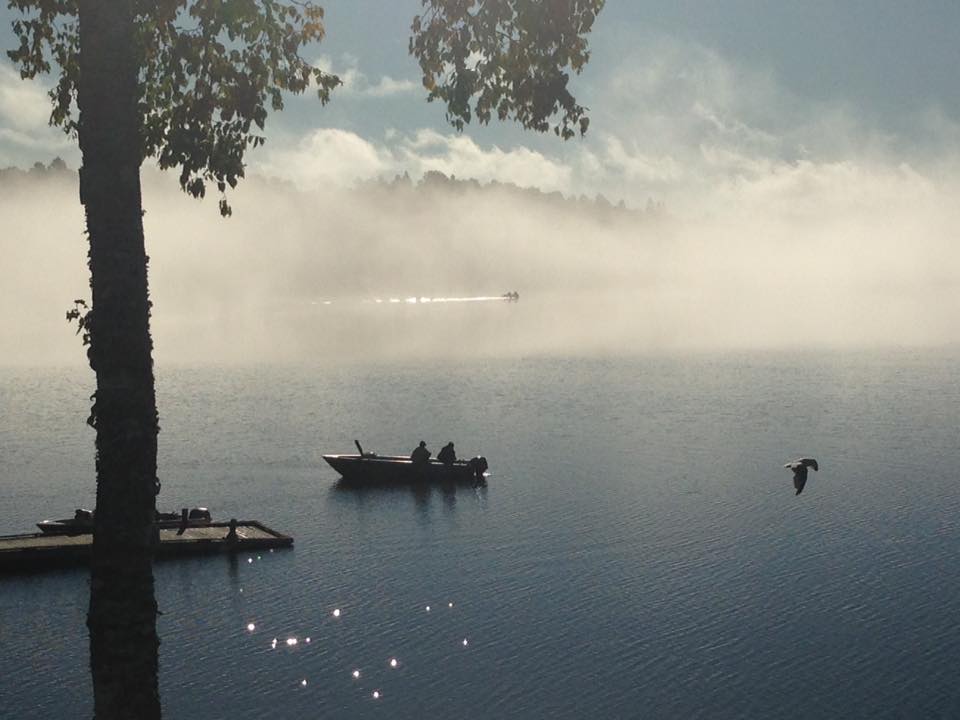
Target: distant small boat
[
  {"x": 82, "y": 521},
  {"x": 373, "y": 469}
]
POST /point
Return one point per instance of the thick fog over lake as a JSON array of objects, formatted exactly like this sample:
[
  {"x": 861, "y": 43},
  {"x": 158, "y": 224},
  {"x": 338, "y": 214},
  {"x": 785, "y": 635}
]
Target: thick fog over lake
[{"x": 814, "y": 256}]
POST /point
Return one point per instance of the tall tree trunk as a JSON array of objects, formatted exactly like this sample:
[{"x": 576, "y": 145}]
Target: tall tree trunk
[{"x": 123, "y": 608}]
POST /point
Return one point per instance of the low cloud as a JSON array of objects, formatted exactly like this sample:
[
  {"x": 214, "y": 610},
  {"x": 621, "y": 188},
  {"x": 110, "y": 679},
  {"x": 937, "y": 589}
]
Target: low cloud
[
  {"x": 680, "y": 122},
  {"x": 25, "y": 135},
  {"x": 789, "y": 222},
  {"x": 24, "y": 105},
  {"x": 786, "y": 225},
  {"x": 675, "y": 122},
  {"x": 341, "y": 158},
  {"x": 356, "y": 83},
  {"x": 387, "y": 86},
  {"x": 459, "y": 155},
  {"x": 326, "y": 156}
]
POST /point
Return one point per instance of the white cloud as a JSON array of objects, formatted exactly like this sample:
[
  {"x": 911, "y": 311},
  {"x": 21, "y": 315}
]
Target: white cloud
[
  {"x": 25, "y": 133},
  {"x": 23, "y": 140},
  {"x": 628, "y": 160},
  {"x": 459, "y": 155},
  {"x": 678, "y": 123},
  {"x": 24, "y": 105},
  {"x": 388, "y": 86},
  {"x": 676, "y": 117},
  {"x": 356, "y": 83},
  {"x": 326, "y": 156},
  {"x": 340, "y": 157}
]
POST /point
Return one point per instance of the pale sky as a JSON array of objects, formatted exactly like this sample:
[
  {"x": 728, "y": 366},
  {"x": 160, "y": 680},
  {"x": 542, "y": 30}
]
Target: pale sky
[{"x": 682, "y": 93}]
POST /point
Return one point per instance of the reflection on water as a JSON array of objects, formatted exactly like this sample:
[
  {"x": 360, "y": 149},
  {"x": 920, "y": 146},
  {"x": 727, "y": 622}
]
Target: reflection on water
[
  {"x": 636, "y": 548},
  {"x": 370, "y": 497},
  {"x": 123, "y": 640}
]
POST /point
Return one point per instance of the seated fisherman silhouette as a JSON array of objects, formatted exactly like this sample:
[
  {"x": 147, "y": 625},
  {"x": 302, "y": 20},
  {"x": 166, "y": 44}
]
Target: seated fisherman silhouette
[
  {"x": 420, "y": 454},
  {"x": 447, "y": 455}
]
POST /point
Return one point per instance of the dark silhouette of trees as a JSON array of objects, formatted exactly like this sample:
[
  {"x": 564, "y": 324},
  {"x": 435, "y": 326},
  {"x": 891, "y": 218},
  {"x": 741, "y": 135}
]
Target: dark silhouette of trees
[
  {"x": 122, "y": 602},
  {"x": 190, "y": 83},
  {"x": 56, "y": 169},
  {"x": 511, "y": 58}
]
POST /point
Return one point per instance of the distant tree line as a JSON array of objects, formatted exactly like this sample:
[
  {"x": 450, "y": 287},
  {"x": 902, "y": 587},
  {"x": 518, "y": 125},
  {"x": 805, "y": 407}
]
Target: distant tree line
[
  {"x": 432, "y": 182},
  {"x": 57, "y": 168}
]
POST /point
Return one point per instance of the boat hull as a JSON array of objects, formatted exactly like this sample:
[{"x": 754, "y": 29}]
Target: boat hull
[
  {"x": 393, "y": 470},
  {"x": 84, "y": 525}
]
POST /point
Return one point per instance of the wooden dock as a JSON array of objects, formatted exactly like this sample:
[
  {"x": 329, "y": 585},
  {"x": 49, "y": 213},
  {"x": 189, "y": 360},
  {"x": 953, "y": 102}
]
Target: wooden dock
[{"x": 36, "y": 551}]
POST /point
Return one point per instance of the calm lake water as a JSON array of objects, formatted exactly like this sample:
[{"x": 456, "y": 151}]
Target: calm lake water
[{"x": 638, "y": 552}]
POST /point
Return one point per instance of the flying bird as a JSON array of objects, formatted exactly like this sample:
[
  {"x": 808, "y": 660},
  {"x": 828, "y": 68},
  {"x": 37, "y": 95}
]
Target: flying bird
[{"x": 799, "y": 468}]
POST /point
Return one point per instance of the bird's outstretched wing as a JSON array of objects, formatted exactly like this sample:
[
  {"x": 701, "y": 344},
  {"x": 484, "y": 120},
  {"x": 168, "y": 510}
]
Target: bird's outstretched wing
[
  {"x": 799, "y": 468},
  {"x": 799, "y": 480},
  {"x": 804, "y": 462}
]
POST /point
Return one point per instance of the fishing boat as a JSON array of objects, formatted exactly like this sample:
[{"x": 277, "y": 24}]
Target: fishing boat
[
  {"x": 82, "y": 521},
  {"x": 372, "y": 469}
]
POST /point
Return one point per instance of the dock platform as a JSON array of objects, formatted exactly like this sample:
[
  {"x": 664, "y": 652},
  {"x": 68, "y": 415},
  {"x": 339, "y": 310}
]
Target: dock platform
[{"x": 37, "y": 551}]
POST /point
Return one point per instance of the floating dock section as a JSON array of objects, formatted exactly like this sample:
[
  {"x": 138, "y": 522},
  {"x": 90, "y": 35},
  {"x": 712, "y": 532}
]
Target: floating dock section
[{"x": 37, "y": 551}]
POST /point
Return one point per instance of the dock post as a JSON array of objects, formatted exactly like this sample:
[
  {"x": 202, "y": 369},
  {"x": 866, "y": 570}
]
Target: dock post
[{"x": 184, "y": 520}]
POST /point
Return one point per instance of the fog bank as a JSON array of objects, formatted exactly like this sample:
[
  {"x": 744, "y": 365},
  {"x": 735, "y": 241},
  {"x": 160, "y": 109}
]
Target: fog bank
[{"x": 840, "y": 255}]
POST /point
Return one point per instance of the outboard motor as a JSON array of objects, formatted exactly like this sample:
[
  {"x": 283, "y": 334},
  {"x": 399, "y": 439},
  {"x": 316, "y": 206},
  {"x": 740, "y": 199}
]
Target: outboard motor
[{"x": 479, "y": 466}]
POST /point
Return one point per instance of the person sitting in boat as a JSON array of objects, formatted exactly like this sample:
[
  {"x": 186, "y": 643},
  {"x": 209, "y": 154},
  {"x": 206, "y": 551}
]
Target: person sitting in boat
[
  {"x": 447, "y": 455},
  {"x": 420, "y": 454}
]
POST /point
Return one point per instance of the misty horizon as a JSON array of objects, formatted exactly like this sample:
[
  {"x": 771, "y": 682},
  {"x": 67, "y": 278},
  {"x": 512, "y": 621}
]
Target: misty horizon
[{"x": 294, "y": 275}]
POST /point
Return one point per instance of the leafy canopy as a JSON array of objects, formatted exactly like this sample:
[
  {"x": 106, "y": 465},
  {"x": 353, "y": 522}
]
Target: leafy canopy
[
  {"x": 515, "y": 56},
  {"x": 210, "y": 69}
]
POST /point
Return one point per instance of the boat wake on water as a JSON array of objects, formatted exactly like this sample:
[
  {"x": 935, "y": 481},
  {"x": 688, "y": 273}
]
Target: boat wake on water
[{"x": 512, "y": 296}]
